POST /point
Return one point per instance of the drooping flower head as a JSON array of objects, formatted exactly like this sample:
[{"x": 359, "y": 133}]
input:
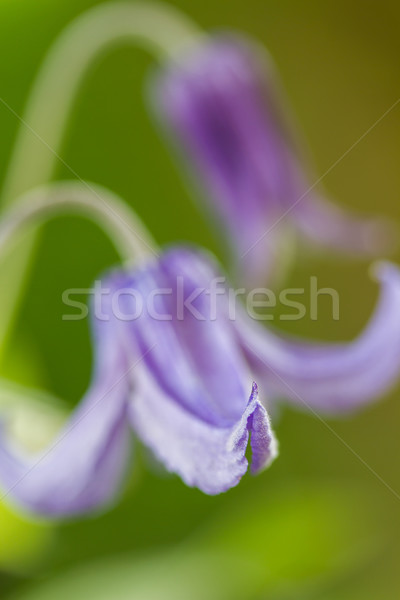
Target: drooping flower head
[
  {"x": 193, "y": 401},
  {"x": 221, "y": 102},
  {"x": 179, "y": 374},
  {"x": 174, "y": 376}
]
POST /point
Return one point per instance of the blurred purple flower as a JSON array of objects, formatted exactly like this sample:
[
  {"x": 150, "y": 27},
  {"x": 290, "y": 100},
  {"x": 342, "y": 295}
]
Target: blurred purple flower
[
  {"x": 180, "y": 374},
  {"x": 223, "y": 104}
]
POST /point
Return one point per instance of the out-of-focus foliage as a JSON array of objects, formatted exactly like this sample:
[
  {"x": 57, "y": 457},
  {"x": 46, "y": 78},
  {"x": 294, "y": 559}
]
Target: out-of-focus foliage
[
  {"x": 299, "y": 538},
  {"x": 23, "y": 543}
]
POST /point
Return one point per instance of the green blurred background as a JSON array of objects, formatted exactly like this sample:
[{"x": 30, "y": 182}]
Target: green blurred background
[{"x": 319, "y": 523}]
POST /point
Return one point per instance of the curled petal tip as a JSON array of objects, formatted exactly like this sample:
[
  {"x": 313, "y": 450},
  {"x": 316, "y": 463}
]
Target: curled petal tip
[
  {"x": 263, "y": 443},
  {"x": 336, "y": 377},
  {"x": 382, "y": 270}
]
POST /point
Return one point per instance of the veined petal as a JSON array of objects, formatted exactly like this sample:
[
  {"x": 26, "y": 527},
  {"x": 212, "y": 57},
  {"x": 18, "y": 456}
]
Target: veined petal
[
  {"x": 331, "y": 377},
  {"x": 191, "y": 390},
  {"x": 223, "y": 104},
  {"x": 84, "y": 466},
  {"x": 190, "y": 351},
  {"x": 206, "y": 456}
]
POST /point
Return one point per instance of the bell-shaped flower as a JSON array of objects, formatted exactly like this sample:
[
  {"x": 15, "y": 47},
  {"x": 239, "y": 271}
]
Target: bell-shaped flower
[
  {"x": 182, "y": 383},
  {"x": 222, "y": 104},
  {"x": 175, "y": 359},
  {"x": 175, "y": 378},
  {"x": 177, "y": 363},
  {"x": 193, "y": 402},
  {"x": 205, "y": 343}
]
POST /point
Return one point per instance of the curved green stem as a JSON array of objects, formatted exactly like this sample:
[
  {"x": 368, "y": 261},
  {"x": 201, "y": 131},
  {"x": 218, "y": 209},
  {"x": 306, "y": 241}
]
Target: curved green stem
[
  {"x": 159, "y": 28},
  {"x": 126, "y": 231},
  {"x": 132, "y": 242}
]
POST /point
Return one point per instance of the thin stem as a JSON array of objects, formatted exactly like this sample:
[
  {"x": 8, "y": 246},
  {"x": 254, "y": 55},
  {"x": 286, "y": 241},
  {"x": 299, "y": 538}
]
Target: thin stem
[
  {"x": 159, "y": 28},
  {"x": 130, "y": 239},
  {"x": 124, "y": 228}
]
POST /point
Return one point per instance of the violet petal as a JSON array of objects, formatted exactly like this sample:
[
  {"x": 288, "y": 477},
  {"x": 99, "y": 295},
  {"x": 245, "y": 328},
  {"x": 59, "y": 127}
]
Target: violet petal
[
  {"x": 334, "y": 377},
  {"x": 84, "y": 466}
]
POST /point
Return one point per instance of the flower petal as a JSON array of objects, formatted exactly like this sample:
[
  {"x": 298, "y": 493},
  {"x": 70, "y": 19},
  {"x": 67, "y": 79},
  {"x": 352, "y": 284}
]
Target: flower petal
[
  {"x": 331, "y": 377},
  {"x": 83, "y": 468},
  {"x": 224, "y": 104},
  {"x": 191, "y": 353},
  {"x": 191, "y": 388},
  {"x": 206, "y": 456},
  {"x": 214, "y": 103},
  {"x": 322, "y": 222}
]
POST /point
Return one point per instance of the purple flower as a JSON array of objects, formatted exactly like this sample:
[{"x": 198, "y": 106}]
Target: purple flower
[
  {"x": 193, "y": 401},
  {"x": 179, "y": 371},
  {"x": 221, "y": 101},
  {"x": 205, "y": 346},
  {"x": 180, "y": 383}
]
